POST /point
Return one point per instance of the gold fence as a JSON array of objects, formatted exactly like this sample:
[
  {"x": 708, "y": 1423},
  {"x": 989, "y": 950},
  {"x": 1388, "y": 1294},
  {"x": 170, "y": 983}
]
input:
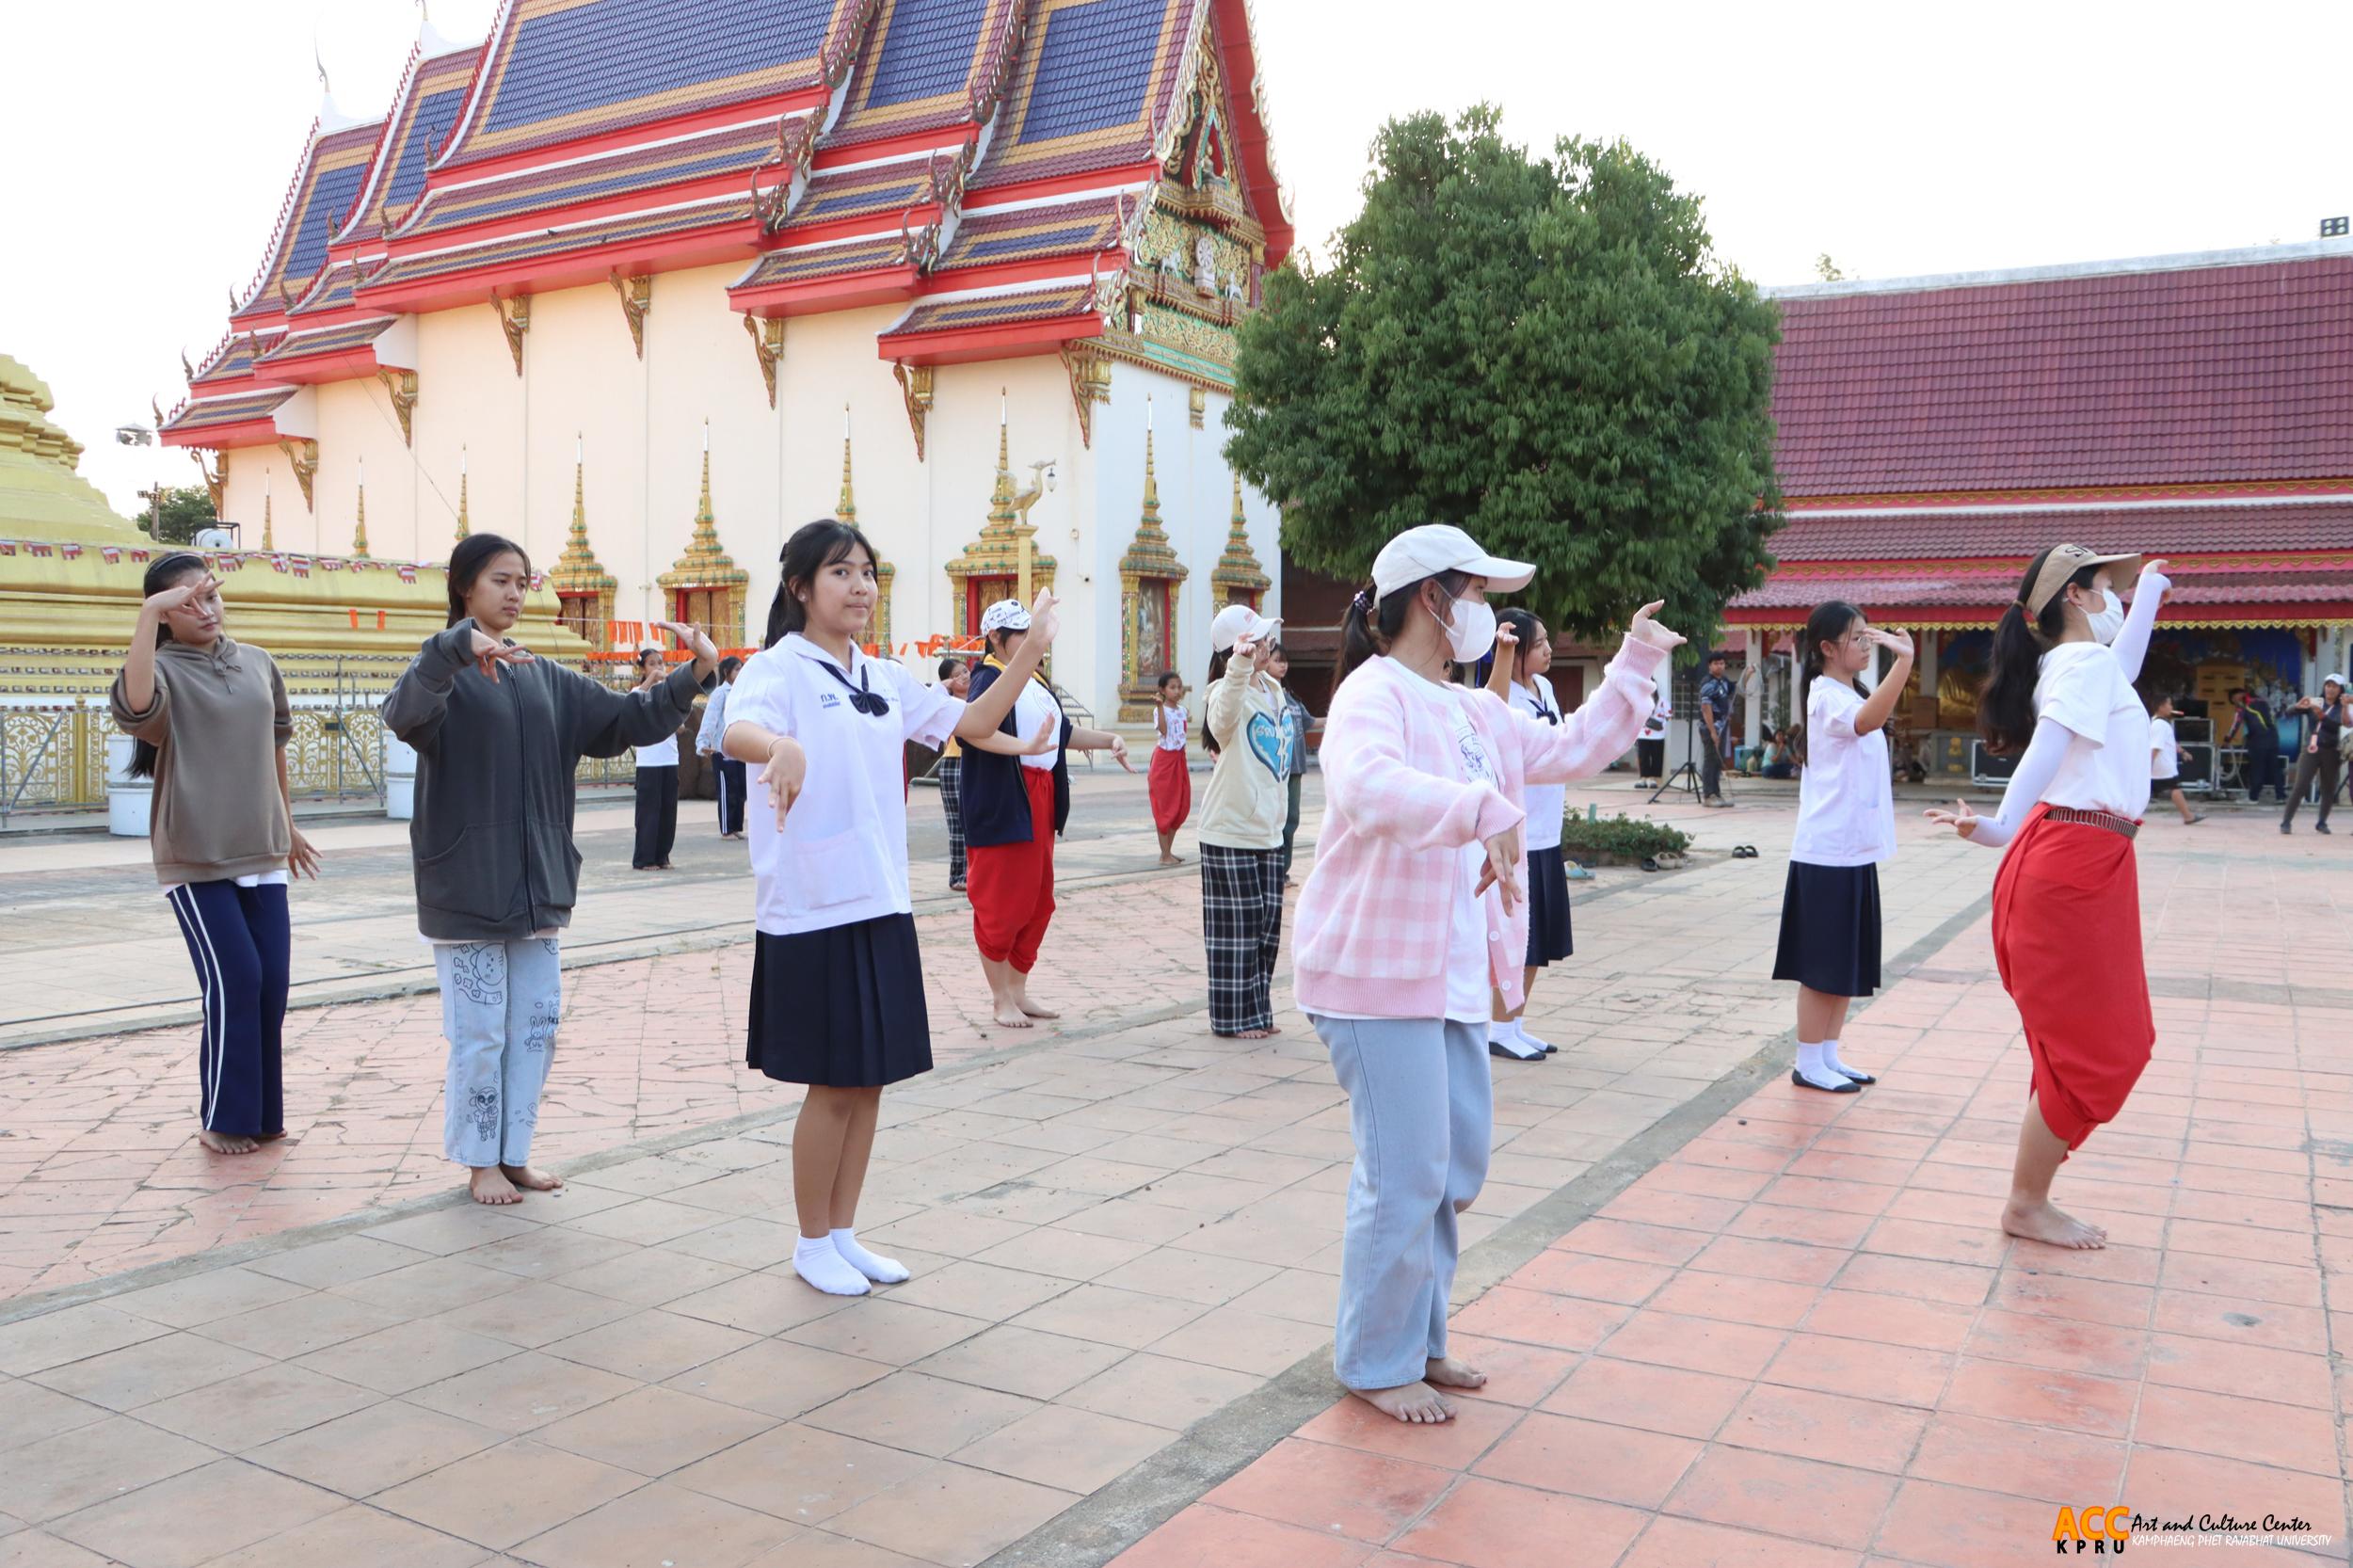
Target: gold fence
[{"x": 53, "y": 749}]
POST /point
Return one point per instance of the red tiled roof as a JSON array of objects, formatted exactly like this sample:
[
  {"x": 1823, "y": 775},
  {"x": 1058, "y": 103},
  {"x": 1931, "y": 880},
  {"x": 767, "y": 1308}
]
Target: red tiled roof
[
  {"x": 1984, "y": 588},
  {"x": 2016, "y": 535},
  {"x": 2198, "y": 375}
]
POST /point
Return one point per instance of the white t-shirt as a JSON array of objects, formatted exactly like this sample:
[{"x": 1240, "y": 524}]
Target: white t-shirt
[
  {"x": 1171, "y": 723},
  {"x": 1467, "y": 980},
  {"x": 2163, "y": 763},
  {"x": 1655, "y": 728},
  {"x": 1845, "y": 796},
  {"x": 1031, "y": 709},
  {"x": 661, "y": 753},
  {"x": 1544, "y": 802},
  {"x": 2106, "y": 766},
  {"x": 842, "y": 855},
  {"x": 258, "y": 879}
]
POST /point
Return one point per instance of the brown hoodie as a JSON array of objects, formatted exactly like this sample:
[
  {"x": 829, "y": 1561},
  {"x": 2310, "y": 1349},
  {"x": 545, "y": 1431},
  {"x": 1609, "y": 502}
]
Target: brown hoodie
[{"x": 216, "y": 721}]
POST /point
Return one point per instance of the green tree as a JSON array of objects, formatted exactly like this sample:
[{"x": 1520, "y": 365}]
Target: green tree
[
  {"x": 186, "y": 509},
  {"x": 1545, "y": 351}
]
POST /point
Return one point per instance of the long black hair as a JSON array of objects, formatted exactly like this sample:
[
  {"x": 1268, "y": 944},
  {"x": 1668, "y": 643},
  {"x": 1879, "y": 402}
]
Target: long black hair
[
  {"x": 813, "y": 547},
  {"x": 163, "y": 572},
  {"x": 470, "y": 560},
  {"x": 1829, "y": 622},
  {"x": 1375, "y": 619},
  {"x": 1524, "y": 625},
  {"x": 2006, "y": 715},
  {"x": 1217, "y": 673}
]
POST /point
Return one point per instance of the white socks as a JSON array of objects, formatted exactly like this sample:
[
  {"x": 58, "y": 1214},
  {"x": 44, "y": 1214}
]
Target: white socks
[
  {"x": 1815, "y": 1067},
  {"x": 1519, "y": 1029},
  {"x": 1831, "y": 1060},
  {"x": 881, "y": 1270},
  {"x": 1507, "y": 1039},
  {"x": 820, "y": 1264}
]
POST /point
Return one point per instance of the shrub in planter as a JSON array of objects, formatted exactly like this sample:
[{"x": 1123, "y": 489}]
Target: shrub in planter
[{"x": 1619, "y": 840}]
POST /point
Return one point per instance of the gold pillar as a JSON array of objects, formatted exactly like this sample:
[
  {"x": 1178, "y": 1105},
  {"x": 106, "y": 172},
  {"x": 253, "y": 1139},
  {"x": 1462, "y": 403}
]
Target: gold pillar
[{"x": 1149, "y": 577}]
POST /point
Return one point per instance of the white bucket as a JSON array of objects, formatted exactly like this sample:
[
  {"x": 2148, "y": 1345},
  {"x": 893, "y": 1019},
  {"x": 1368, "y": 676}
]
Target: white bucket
[
  {"x": 130, "y": 802},
  {"x": 400, "y": 779}
]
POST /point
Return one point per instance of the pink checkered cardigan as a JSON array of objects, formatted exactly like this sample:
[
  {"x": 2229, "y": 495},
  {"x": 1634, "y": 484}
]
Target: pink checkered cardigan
[{"x": 1373, "y": 921}]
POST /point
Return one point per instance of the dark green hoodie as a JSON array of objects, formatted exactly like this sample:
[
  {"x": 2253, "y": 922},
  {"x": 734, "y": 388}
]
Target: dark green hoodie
[{"x": 494, "y": 831}]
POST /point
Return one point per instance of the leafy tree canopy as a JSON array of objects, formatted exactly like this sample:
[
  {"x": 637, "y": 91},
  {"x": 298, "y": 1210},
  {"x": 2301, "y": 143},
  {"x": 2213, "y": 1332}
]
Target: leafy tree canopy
[
  {"x": 1545, "y": 351},
  {"x": 186, "y": 509}
]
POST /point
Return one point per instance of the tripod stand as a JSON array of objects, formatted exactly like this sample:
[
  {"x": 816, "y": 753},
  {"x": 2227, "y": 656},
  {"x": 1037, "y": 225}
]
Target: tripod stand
[{"x": 1686, "y": 776}]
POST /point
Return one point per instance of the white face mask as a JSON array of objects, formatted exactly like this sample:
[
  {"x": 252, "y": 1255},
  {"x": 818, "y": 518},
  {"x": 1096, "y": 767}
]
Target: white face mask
[
  {"x": 1471, "y": 635},
  {"x": 2108, "y": 620}
]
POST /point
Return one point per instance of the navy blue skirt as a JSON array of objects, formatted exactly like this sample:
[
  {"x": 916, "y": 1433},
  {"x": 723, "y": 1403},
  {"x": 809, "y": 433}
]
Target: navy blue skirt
[
  {"x": 1830, "y": 929},
  {"x": 1548, "y": 908},
  {"x": 841, "y": 1008}
]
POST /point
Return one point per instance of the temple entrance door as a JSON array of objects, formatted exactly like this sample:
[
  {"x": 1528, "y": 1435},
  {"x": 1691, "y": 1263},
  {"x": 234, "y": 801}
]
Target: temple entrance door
[
  {"x": 579, "y": 612},
  {"x": 982, "y": 592},
  {"x": 1156, "y": 649},
  {"x": 701, "y": 608}
]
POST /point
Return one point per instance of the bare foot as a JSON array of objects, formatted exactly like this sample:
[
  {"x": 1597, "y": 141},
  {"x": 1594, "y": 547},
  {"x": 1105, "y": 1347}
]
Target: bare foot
[
  {"x": 1034, "y": 1011},
  {"x": 227, "y": 1142},
  {"x": 1009, "y": 1016},
  {"x": 1254, "y": 1034},
  {"x": 1171, "y": 860},
  {"x": 2043, "y": 1222},
  {"x": 489, "y": 1185},
  {"x": 1447, "y": 1372},
  {"x": 531, "y": 1178},
  {"x": 1413, "y": 1402}
]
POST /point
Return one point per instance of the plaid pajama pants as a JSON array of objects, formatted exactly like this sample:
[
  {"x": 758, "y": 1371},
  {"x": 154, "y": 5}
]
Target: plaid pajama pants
[
  {"x": 1241, "y": 916},
  {"x": 951, "y": 802}
]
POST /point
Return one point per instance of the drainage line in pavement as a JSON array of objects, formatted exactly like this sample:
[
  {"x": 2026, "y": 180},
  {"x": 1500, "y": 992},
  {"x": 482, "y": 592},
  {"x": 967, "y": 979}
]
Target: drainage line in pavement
[{"x": 1108, "y": 1521}]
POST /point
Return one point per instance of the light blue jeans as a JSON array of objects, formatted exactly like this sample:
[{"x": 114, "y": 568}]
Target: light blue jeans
[
  {"x": 1421, "y": 1105},
  {"x": 500, "y": 1003}
]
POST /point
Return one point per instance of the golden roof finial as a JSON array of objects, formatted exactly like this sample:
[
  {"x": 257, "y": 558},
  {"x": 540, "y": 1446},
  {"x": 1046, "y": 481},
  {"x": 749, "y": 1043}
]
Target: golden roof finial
[
  {"x": 360, "y": 520},
  {"x": 464, "y": 527},
  {"x": 1238, "y": 575},
  {"x": 268, "y": 542},
  {"x": 1001, "y": 507},
  {"x": 1151, "y": 485},
  {"x": 578, "y": 570},
  {"x": 846, "y": 509}
]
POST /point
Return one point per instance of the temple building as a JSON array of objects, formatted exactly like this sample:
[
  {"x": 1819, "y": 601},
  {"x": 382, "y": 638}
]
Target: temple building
[
  {"x": 646, "y": 287},
  {"x": 1936, "y": 432}
]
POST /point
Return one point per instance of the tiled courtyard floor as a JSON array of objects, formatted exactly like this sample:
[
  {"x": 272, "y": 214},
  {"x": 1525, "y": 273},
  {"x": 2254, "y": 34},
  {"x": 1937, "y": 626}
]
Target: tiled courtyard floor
[{"x": 1729, "y": 1325}]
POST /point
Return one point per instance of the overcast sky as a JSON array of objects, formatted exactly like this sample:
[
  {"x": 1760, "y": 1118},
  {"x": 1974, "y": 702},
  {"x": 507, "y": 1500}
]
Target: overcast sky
[{"x": 152, "y": 141}]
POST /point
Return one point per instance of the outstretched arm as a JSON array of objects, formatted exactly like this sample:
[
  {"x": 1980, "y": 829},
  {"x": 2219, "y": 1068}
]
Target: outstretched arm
[
  {"x": 2033, "y": 775},
  {"x": 2132, "y": 644}
]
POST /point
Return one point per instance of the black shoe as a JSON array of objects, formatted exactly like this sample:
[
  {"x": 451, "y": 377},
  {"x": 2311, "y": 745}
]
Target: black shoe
[
  {"x": 1859, "y": 1078},
  {"x": 2285, "y": 829},
  {"x": 1511, "y": 1053},
  {"x": 1800, "y": 1080},
  {"x": 2320, "y": 827}
]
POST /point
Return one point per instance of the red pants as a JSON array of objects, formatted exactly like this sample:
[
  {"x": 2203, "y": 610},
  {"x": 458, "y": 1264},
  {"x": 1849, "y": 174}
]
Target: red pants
[
  {"x": 1012, "y": 885},
  {"x": 2067, "y": 935},
  {"x": 1171, "y": 790}
]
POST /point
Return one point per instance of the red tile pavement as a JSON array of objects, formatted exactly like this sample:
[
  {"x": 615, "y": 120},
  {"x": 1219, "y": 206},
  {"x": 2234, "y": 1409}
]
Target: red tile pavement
[{"x": 1803, "y": 1339}]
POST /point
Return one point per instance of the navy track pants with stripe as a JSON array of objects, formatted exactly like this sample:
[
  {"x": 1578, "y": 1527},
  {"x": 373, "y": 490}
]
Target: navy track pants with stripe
[{"x": 239, "y": 940}]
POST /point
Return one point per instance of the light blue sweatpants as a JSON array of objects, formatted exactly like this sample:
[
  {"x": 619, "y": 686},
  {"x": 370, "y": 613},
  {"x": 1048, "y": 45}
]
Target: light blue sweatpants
[
  {"x": 500, "y": 1003},
  {"x": 1421, "y": 1106}
]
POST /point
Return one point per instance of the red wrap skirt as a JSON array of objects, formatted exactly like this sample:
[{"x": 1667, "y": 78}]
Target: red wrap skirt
[
  {"x": 1171, "y": 788},
  {"x": 2067, "y": 936}
]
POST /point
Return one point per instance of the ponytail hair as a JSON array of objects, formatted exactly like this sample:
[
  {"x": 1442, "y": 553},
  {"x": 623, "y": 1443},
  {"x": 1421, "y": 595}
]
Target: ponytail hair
[
  {"x": 813, "y": 547},
  {"x": 1827, "y": 624},
  {"x": 163, "y": 572},
  {"x": 2006, "y": 715},
  {"x": 1375, "y": 618}
]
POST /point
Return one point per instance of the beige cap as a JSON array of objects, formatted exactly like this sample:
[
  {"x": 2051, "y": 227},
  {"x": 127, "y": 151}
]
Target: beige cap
[{"x": 2064, "y": 562}]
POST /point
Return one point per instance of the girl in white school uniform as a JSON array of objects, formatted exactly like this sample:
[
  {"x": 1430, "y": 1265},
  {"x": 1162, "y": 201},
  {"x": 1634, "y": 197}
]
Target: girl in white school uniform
[
  {"x": 1523, "y": 665},
  {"x": 1830, "y": 906},
  {"x": 1411, "y": 916},
  {"x": 837, "y": 979}
]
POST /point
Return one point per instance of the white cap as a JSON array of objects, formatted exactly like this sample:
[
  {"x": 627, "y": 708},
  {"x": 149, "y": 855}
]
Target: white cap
[
  {"x": 1006, "y": 614},
  {"x": 2338, "y": 678},
  {"x": 1237, "y": 621},
  {"x": 1436, "y": 547}
]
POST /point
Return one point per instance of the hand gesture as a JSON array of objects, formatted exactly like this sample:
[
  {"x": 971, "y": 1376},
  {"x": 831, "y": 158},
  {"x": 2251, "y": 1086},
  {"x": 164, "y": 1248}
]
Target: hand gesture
[
  {"x": 1045, "y": 617},
  {"x": 1898, "y": 643},
  {"x": 178, "y": 593},
  {"x": 1048, "y": 736},
  {"x": 1119, "y": 752},
  {"x": 786, "y": 770},
  {"x": 1502, "y": 870},
  {"x": 302, "y": 860},
  {"x": 490, "y": 652},
  {"x": 692, "y": 640},
  {"x": 1960, "y": 819},
  {"x": 1646, "y": 631}
]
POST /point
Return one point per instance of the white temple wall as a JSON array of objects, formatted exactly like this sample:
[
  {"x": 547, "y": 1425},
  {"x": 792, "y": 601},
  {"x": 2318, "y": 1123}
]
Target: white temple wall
[{"x": 470, "y": 397}]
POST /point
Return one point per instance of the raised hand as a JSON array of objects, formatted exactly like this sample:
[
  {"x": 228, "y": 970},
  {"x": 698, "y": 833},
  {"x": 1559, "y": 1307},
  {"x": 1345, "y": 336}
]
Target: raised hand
[
  {"x": 1898, "y": 643},
  {"x": 692, "y": 640},
  {"x": 490, "y": 652},
  {"x": 302, "y": 860},
  {"x": 1044, "y": 619},
  {"x": 180, "y": 593},
  {"x": 1049, "y": 735},
  {"x": 1119, "y": 752},
  {"x": 1644, "y": 629},
  {"x": 786, "y": 770},
  {"x": 1960, "y": 819}
]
